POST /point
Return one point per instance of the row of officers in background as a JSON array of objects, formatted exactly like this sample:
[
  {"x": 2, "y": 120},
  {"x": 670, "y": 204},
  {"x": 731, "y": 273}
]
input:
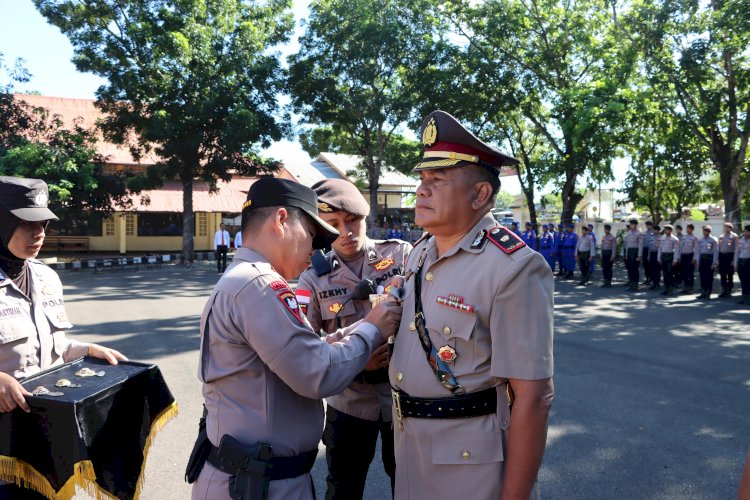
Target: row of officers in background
[{"x": 665, "y": 253}]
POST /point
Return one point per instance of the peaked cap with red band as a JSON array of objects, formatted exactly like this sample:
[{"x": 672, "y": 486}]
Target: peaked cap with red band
[{"x": 448, "y": 144}]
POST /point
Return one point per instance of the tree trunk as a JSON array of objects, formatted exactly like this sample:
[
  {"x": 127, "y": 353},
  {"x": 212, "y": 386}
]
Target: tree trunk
[
  {"x": 188, "y": 217},
  {"x": 729, "y": 180},
  {"x": 570, "y": 198},
  {"x": 373, "y": 177}
]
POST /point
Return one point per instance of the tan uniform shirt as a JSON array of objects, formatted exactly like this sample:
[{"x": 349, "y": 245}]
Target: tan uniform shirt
[
  {"x": 742, "y": 250},
  {"x": 507, "y": 334},
  {"x": 264, "y": 370},
  {"x": 585, "y": 244},
  {"x": 727, "y": 242},
  {"x": 688, "y": 244},
  {"x": 328, "y": 295},
  {"x": 634, "y": 239},
  {"x": 33, "y": 339},
  {"x": 668, "y": 244}
]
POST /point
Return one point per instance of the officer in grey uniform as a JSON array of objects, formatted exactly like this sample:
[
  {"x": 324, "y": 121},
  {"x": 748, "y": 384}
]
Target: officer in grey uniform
[
  {"x": 33, "y": 319},
  {"x": 727, "y": 244},
  {"x": 688, "y": 246},
  {"x": 355, "y": 417},
  {"x": 653, "y": 257},
  {"x": 669, "y": 244},
  {"x": 585, "y": 254},
  {"x": 477, "y": 326},
  {"x": 609, "y": 252},
  {"x": 648, "y": 237},
  {"x": 263, "y": 368},
  {"x": 707, "y": 259},
  {"x": 633, "y": 253},
  {"x": 742, "y": 264}
]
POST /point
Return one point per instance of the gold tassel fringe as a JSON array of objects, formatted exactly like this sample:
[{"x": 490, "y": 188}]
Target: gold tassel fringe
[{"x": 20, "y": 473}]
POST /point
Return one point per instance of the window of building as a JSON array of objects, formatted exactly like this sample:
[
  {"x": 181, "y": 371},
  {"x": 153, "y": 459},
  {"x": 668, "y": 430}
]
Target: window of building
[
  {"x": 159, "y": 224},
  {"x": 88, "y": 224},
  {"x": 202, "y": 221},
  {"x": 109, "y": 226},
  {"x": 130, "y": 225}
]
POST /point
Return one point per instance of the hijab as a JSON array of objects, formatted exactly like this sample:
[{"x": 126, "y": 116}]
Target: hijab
[{"x": 16, "y": 269}]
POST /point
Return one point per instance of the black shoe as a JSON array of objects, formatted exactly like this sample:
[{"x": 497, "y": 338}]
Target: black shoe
[
  {"x": 701, "y": 296},
  {"x": 743, "y": 300},
  {"x": 666, "y": 292},
  {"x": 723, "y": 293},
  {"x": 653, "y": 287}
]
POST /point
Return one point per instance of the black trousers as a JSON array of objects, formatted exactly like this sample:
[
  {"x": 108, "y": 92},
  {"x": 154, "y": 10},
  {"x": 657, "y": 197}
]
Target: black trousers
[
  {"x": 687, "y": 270},
  {"x": 743, "y": 270},
  {"x": 607, "y": 265},
  {"x": 666, "y": 267},
  {"x": 654, "y": 268},
  {"x": 646, "y": 261},
  {"x": 706, "y": 273},
  {"x": 676, "y": 274},
  {"x": 632, "y": 265},
  {"x": 221, "y": 257},
  {"x": 585, "y": 265},
  {"x": 350, "y": 447},
  {"x": 726, "y": 270}
]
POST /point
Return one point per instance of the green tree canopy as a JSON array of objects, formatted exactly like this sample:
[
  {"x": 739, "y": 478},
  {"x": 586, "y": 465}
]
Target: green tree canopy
[
  {"x": 354, "y": 78},
  {"x": 196, "y": 81}
]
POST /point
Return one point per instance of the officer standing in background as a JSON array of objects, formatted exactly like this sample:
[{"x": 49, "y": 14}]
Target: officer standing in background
[
  {"x": 529, "y": 237},
  {"x": 648, "y": 236},
  {"x": 462, "y": 342},
  {"x": 707, "y": 258},
  {"x": 632, "y": 253},
  {"x": 555, "y": 238},
  {"x": 221, "y": 247},
  {"x": 570, "y": 244},
  {"x": 560, "y": 239},
  {"x": 742, "y": 264},
  {"x": 688, "y": 246},
  {"x": 653, "y": 257},
  {"x": 514, "y": 227},
  {"x": 547, "y": 246},
  {"x": 727, "y": 244},
  {"x": 676, "y": 273},
  {"x": 262, "y": 366},
  {"x": 592, "y": 266},
  {"x": 238, "y": 239},
  {"x": 585, "y": 254},
  {"x": 669, "y": 244},
  {"x": 609, "y": 253},
  {"x": 355, "y": 417}
]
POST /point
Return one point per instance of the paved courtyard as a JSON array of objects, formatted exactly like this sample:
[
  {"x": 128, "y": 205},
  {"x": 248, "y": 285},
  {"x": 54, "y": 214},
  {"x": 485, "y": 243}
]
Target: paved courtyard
[{"x": 652, "y": 393}]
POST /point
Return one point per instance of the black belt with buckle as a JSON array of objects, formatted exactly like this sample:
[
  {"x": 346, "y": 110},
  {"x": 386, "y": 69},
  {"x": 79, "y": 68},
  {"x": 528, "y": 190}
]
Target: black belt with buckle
[
  {"x": 474, "y": 404},
  {"x": 278, "y": 467},
  {"x": 372, "y": 377}
]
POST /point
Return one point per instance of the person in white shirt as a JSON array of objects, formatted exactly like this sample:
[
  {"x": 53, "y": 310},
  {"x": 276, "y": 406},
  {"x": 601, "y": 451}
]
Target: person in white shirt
[
  {"x": 221, "y": 245},
  {"x": 238, "y": 240}
]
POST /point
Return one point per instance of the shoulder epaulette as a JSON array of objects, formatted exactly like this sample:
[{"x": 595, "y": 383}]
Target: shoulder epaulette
[{"x": 505, "y": 240}]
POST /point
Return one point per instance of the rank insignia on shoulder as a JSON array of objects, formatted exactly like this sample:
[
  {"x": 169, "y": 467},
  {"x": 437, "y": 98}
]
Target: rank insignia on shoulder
[
  {"x": 372, "y": 255},
  {"x": 288, "y": 299},
  {"x": 479, "y": 240},
  {"x": 447, "y": 354},
  {"x": 278, "y": 285},
  {"x": 384, "y": 264},
  {"x": 505, "y": 240},
  {"x": 336, "y": 307}
]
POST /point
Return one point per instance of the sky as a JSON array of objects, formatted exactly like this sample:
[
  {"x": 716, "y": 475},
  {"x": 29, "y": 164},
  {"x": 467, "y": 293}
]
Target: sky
[{"x": 47, "y": 54}]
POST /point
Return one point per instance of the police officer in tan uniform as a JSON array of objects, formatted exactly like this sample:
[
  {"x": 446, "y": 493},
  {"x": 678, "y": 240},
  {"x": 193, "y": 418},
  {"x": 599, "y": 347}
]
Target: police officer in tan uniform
[
  {"x": 476, "y": 327},
  {"x": 355, "y": 417},
  {"x": 669, "y": 244},
  {"x": 727, "y": 244},
  {"x": 633, "y": 253},
  {"x": 33, "y": 320},
  {"x": 264, "y": 370}
]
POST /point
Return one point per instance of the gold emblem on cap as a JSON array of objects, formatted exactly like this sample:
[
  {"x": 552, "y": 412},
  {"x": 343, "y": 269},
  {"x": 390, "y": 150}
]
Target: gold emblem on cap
[
  {"x": 247, "y": 204},
  {"x": 324, "y": 207},
  {"x": 429, "y": 135}
]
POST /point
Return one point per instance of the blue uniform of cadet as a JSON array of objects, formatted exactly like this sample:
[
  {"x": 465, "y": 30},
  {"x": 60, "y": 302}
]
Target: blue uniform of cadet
[
  {"x": 529, "y": 237},
  {"x": 569, "y": 251},
  {"x": 555, "y": 243},
  {"x": 592, "y": 265},
  {"x": 547, "y": 249},
  {"x": 560, "y": 238}
]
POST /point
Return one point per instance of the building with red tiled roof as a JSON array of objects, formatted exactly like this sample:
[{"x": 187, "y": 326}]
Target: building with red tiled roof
[{"x": 155, "y": 221}]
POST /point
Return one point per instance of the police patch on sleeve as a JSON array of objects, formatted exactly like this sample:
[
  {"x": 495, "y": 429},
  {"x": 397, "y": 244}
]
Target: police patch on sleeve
[
  {"x": 505, "y": 240},
  {"x": 290, "y": 301}
]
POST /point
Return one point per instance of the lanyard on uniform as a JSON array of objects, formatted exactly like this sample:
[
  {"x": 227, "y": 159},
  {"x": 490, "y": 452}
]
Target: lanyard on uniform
[{"x": 441, "y": 370}]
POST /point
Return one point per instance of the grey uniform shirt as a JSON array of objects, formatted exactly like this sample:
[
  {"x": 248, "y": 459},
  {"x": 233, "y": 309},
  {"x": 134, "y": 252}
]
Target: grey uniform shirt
[
  {"x": 727, "y": 243},
  {"x": 609, "y": 243},
  {"x": 327, "y": 295},
  {"x": 742, "y": 250},
  {"x": 709, "y": 246},
  {"x": 668, "y": 244},
  {"x": 264, "y": 370},
  {"x": 503, "y": 330},
  {"x": 33, "y": 339},
  {"x": 585, "y": 244},
  {"x": 688, "y": 244},
  {"x": 634, "y": 239}
]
